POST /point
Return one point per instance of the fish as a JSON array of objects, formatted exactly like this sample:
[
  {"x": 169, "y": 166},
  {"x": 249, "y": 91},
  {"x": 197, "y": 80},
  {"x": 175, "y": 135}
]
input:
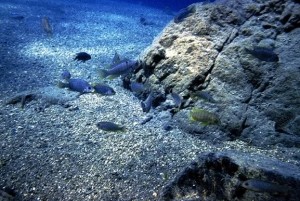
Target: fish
[
  {"x": 47, "y": 26},
  {"x": 116, "y": 59},
  {"x": 109, "y": 126},
  {"x": 205, "y": 96},
  {"x": 104, "y": 89},
  {"x": 264, "y": 186},
  {"x": 23, "y": 99},
  {"x": 203, "y": 116},
  {"x": 17, "y": 17},
  {"x": 145, "y": 22},
  {"x": 184, "y": 13},
  {"x": 147, "y": 104},
  {"x": 82, "y": 56},
  {"x": 136, "y": 87},
  {"x": 122, "y": 68},
  {"x": 66, "y": 75},
  {"x": 177, "y": 99},
  {"x": 76, "y": 84},
  {"x": 263, "y": 54}
]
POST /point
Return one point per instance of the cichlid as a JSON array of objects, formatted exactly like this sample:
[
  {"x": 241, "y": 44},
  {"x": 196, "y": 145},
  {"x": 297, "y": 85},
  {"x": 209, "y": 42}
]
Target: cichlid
[
  {"x": 66, "y": 75},
  {"x": 263, "y": 186},
  {"x": 147, "y": 104},
  {"x": 109, "y": 126},
  {"x": 104, "y": 89},
  {"x": 184, "y": 13},
  {"x": 122, "y": 68},
  {"x": 205, "y": 96},
  {"x": 116, "y": 59},
  {"x": 177, "y": 99},
  {"x": 78, "y": 85},
  {"x": 136, "y": 87},
  {"x": 203, "y": 116},
  {"x": 82, "y": 56},
  {"x": 263, "y": 54}
]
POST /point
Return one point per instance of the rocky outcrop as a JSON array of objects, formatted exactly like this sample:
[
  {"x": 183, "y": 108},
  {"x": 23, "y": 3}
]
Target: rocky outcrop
[
  {"x": 222, "y": 176},
  {"x": 246, "y": 55}
]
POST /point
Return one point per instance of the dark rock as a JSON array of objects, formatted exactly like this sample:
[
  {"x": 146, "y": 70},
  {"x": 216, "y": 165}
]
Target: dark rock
[{"x": 219, "y": 176}]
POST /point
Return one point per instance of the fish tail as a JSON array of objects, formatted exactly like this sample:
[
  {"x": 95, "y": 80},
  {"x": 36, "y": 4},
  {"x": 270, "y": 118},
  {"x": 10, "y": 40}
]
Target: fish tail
[
  {"x": 103, "y": 73},
  {"x": 145, "y": 107},
  {"x": 61, "y": 84}
]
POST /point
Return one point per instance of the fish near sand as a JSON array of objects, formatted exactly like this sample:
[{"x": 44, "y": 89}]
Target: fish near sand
[
  {"x": 82, "y": 56},
  {"x": 203, "y": 116},
  {"x": 109, "y": 126},
  {"x": 116, "y": 59},
  {"x": 66, "y": 75},
  {"x": 263, "y": 186},
  {"x": 47, "y": 26},
  {"x": 122, "y": 68},
  {"x": 147, "y": 104},
  {"x": 78, "y": 85},
  {"x": 104, "y": 89},
  {"x": 263, "y": 54}
]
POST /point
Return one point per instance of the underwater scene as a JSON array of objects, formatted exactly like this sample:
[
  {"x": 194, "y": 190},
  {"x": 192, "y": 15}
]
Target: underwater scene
[{"x": 124, "y": 100}]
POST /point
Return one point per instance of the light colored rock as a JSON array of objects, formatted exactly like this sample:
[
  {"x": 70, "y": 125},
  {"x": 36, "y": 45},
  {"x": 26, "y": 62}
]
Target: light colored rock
[{"x": 208, "y": 50}]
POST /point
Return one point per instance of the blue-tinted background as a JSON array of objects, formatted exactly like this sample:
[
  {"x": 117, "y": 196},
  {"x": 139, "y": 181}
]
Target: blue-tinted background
[
  {"x": 174, "y": 5},
  {"x": 170, "y": 4}
]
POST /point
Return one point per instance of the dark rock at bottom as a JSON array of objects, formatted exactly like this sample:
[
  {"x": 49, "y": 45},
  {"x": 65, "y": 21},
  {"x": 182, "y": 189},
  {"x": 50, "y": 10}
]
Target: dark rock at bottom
[{"x": 220, "y": 176}]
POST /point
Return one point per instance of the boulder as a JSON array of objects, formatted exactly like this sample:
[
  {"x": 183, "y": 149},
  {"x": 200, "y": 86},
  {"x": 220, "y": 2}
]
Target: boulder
[
  {"x": 221, "y": 176},
  {"x": 246, "y": 54}
]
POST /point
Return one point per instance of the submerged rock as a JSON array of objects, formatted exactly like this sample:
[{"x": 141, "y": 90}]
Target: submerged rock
[
  {"x": 223, "y": 176},
  {"x": 207, "y": 51}
]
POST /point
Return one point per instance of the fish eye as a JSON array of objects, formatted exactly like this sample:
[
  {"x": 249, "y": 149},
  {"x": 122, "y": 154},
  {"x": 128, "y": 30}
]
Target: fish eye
[{"x": 246, "y": 184}]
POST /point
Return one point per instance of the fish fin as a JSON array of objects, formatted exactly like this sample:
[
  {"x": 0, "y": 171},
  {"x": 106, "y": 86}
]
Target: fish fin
[
  {"x": 103, "y": 73},
  {"x": 116, "y": 58},
  {"x": 191, "y": 118},
  {"x": 111, "y": 77},
  {"x": 61, "y": 84}
]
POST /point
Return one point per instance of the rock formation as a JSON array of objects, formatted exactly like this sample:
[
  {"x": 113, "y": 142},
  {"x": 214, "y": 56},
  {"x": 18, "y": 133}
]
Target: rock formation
[
  {"x": 221, "y": 177},
  {"x": 226, "y": 49}
]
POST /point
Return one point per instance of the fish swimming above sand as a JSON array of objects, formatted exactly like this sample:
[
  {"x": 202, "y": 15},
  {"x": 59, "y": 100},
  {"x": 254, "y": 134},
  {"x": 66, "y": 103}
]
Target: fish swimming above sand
[
  {"x": 66, "y": 75},
  {"x": 82, "y": 56},
  {"x": 119, "y": 69},
  {"x": 109, "y": 126},
  {"x": 76, "y": 84},
  {"x": 46, "y": 25},
  {"x": 104, "y": 89},
  {"x": 116, "y": 59}
]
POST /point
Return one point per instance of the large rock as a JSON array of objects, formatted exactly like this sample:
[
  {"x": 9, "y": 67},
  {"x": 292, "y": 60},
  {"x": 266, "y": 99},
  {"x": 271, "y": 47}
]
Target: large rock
[
  {"x": 257, "y": 97},
  {"x": 220, "y": 176}
]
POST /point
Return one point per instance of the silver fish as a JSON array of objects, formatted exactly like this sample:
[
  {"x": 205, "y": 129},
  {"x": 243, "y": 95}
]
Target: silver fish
[{"x": 122, "y": 68}]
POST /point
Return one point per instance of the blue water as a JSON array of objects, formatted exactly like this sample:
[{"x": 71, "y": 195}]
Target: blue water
[
  {"x": 167, "y": 4},
  {"x": 173, "y": 5}
]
